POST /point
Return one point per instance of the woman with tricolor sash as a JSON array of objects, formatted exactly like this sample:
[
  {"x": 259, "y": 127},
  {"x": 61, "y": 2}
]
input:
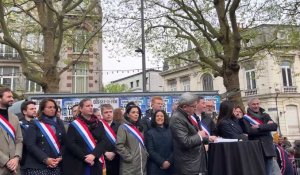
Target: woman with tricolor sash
[
  {"x": 85, "y": 143},
  {"x": 130, "y": 143},
  {"x": 46, "y": 137}
]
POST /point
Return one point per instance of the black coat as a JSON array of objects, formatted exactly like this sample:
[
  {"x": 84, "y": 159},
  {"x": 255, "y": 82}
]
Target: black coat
[
  {"x": 160, "y": 148},
  {"x": 112, "y": 167},
  {"x": 146, "y": 121},
  {"x": 24, "y": 126},
  {"x": 231, "y": 129},
  {"x": 77, "y": 149},
  {"x": 38, "y": 148},
  {"x": 187, "y": 144},
  {"x": 263, "y": 133}
]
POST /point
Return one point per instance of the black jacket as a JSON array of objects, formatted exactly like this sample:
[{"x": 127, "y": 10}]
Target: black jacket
[
  {"x": 186, "y": 143},
  {"x": 112, "y": 167},
  {"x": 24, "y": 126},
  {"x": 38, "y": 148},
  {"x": 77, "y": 149},
  {"x": 231, "y": 129},
  {"x": 146, "y": 121},
  {"x": 160, "y": 148},
  {"x": 263, "y": 133}
]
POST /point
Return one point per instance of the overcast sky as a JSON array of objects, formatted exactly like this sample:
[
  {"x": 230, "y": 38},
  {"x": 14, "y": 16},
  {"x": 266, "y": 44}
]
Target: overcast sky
[{"x": 112, "y": 67}]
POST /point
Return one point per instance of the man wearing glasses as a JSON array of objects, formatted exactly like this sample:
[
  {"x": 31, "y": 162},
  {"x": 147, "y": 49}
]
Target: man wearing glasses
[{"x": 187, "y": 136}]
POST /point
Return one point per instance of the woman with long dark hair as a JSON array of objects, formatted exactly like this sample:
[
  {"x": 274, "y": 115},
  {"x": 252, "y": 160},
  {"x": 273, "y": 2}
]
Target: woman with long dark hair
[
  {"x": 228, "y": 125},
  {"x": 159, "y": 145},
  {"x": 85, "y": 143},
  {"x": 46, "y": 137},
  {"x": 130, "y": 143}
]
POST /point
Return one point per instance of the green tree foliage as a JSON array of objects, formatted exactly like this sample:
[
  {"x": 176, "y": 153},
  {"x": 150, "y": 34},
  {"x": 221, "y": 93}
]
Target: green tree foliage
[
  {"x": 41, "y": 30},
  {"x": 116, "y": 88}
]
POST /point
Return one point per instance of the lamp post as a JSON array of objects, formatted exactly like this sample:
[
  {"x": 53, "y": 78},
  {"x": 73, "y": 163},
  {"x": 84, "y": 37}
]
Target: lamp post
[{"x": 143, "y": 47}]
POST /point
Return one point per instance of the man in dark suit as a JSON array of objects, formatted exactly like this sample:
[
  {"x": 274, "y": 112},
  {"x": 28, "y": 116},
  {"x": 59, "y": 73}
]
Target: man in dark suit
[
  {"x": 258, "y": 125},
  {"x": 28, "y": 109},
  {"x": 207, "y": 125},
  {"x": 11, "y": 142},
  {"x": 112, "y": 159}
]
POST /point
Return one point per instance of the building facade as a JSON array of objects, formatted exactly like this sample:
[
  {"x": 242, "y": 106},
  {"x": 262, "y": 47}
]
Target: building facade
[
  {"x": 154, "y": 81},
  {"x": 272, "y": 76},
  {"x": 83, "y": 77}
]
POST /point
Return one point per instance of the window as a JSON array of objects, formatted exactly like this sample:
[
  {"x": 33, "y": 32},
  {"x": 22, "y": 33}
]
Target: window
[
  {"x": 172, "y": 85},
  {"x": 80, "y": 78},
  {"x": 137, "y": 83},
  {"x": 80, "y": 41},
  {"x": 292, "y": 119},
  {"x": 185, "y": 83},
  {"x": 131, "y": 84},
  {"x": 207, "y": 82},
  {"x": 32, "y": 86},
  {"x": 10, "y": 77},
  {"x": 250, "y": 78},
  {"x": 286, "y": 73},
  {"x": 7, "y": 52}
]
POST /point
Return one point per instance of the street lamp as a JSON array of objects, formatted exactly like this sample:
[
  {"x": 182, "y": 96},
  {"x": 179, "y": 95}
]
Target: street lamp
[{"x": 143, "y": 48}]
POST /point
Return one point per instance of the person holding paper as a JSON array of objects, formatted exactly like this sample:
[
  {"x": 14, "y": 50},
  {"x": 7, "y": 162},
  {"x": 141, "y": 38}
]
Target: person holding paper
[
  {"x": 228, "y": 125},
  {"x": 187, "y": 137}
]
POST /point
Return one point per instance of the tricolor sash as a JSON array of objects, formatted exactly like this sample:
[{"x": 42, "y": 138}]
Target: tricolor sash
[
  {"x": 135, "y": 132},
  {"x": 4, "y": 124},
  {"x": 252, "y": 121},
  {"x": 204, "y": 128},
  {"x": 110, "y": 133},
  {"x": 85, "y": 133},
  {"x": 49, "y": 135}
]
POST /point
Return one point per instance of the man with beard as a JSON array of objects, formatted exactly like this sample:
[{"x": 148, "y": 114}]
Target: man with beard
[
  {"x": 112, "y": 159},
  {"x": 10, "y": 135},
  {"x": 258, "y": 125},
  {"x": 28, "y": 110}
]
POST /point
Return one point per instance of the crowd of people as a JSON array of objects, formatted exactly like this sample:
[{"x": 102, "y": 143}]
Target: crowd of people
[{"x": 112, "y": 141}]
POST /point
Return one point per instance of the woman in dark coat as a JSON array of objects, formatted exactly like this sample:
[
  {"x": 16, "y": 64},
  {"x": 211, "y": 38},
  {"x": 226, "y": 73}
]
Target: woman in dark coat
[
  {"x": 228, "y": 125},
  {"x": 159, "y": 145},
  {"x": 43, "y": 156},
  {"x": 81, "y": 157}
]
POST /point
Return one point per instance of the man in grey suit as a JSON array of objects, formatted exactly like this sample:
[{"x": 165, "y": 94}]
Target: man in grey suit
[
  {"x": 10, "y": 136},
  {"x": 187, "y": 137}
]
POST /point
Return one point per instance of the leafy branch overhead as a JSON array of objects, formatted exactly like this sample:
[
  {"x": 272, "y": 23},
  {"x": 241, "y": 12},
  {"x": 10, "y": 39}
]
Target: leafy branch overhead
[{"x": 41, "y": 30}]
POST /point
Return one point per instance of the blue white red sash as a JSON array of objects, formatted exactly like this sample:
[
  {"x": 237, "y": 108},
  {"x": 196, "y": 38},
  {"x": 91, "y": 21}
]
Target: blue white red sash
[
  {"x": 136, "y": 133},
  {"x": 82, "y": 129},
  {"x": 110, "y": 133},
  {"x": 50, "y": 136},
  {"x": 204, "y": 128},
  {"x": 252, "y": 121},
  {"x": 194, "y": 121},
  {"x": 8, "y": 127}
]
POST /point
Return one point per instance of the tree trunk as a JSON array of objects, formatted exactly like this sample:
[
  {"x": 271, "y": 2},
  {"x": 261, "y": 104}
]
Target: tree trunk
[
  {"x": 232, "y": 85},
  {"x": 52, "y": 84}
]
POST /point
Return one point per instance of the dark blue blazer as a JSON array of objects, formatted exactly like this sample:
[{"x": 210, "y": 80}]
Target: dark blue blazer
[
  {"x": 160, "y": 148},
  {"x": 231, "y": 129},
  {"x": 38, "y": 148}
]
